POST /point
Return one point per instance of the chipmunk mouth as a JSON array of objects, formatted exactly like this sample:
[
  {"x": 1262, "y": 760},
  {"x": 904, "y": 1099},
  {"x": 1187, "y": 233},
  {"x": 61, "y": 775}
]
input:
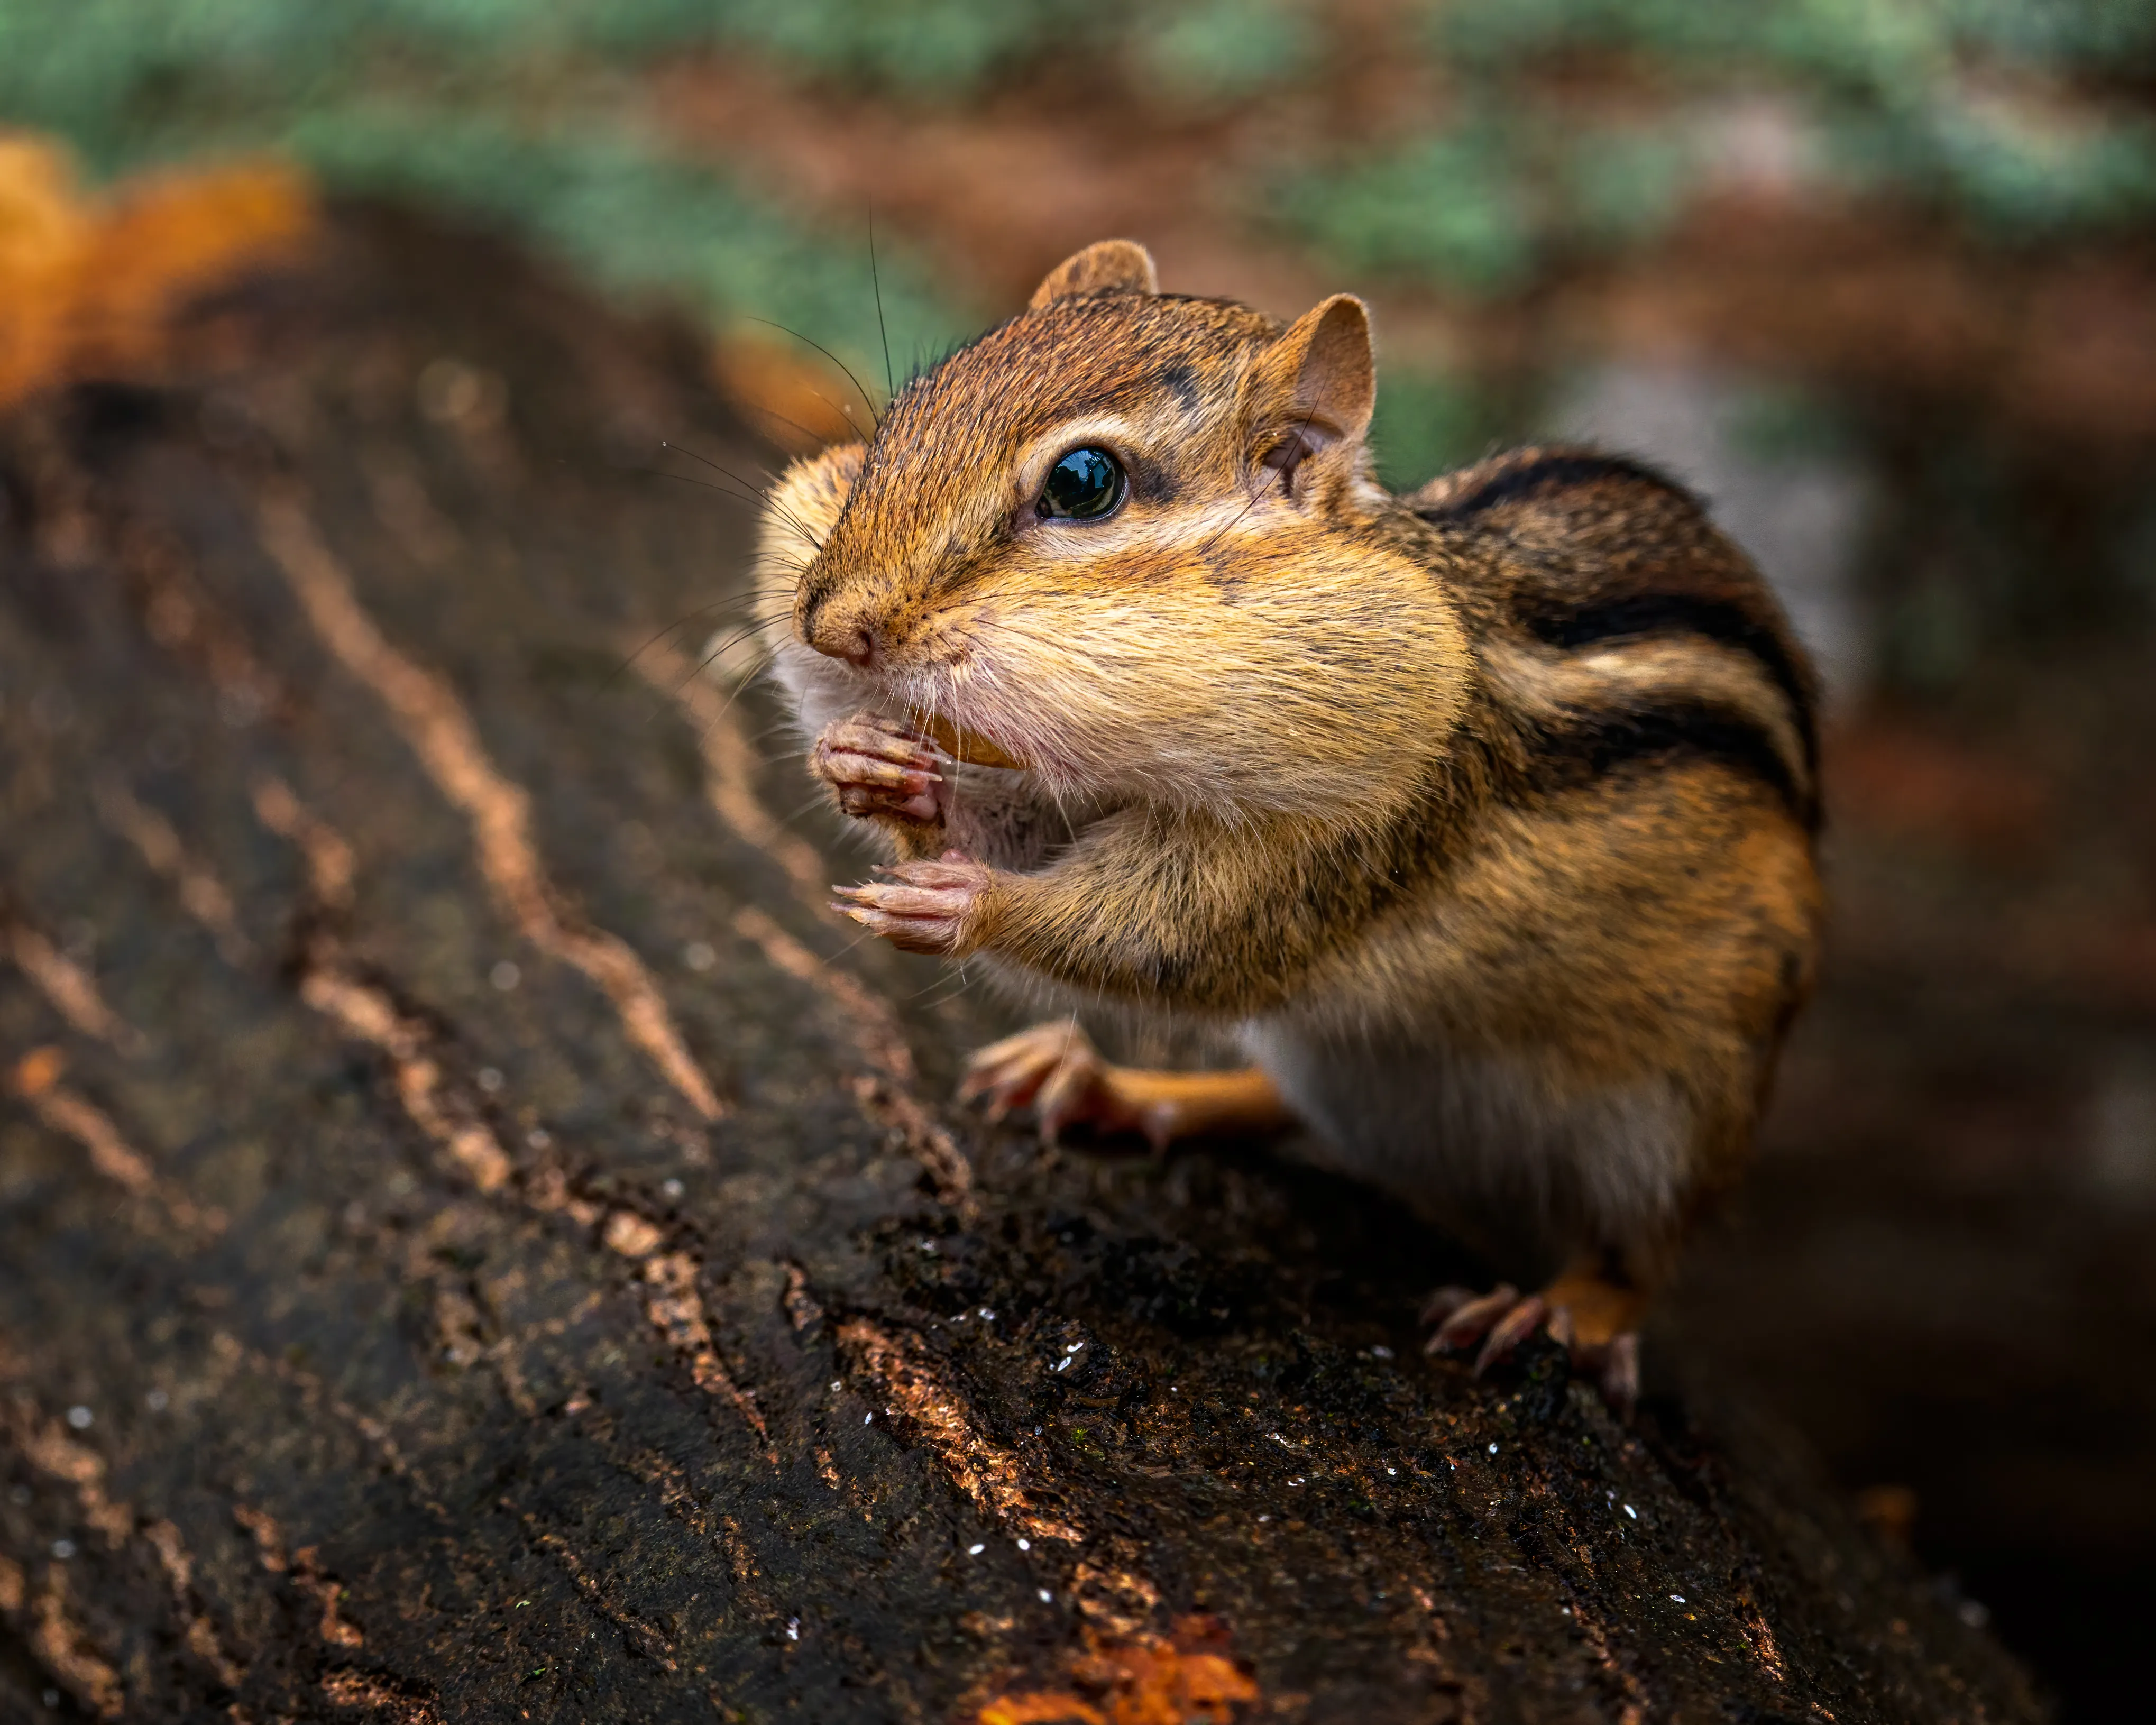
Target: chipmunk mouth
[{"x": 966, "y": 714}]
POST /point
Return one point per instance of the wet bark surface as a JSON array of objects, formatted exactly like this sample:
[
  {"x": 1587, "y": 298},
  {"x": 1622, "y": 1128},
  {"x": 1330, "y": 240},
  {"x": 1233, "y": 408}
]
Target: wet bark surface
[{"x": 476, "y": 1241}]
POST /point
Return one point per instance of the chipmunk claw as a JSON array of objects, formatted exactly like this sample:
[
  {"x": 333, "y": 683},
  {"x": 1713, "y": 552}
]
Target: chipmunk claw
[
  {"x": 922, "y": 907},
  {"x": 879, "y": 767},
  {"x": 1503, "y": 1318},
  {"x": 1054, "y": 1070},
  {"x": 1063, "y": 1099},
  {"x": 1440, "y": 1306},
  {"x": 1616, "y": 1365},
  {"x": 1510, "y": 1331},
  {"x": 1464, "y": 1321}
]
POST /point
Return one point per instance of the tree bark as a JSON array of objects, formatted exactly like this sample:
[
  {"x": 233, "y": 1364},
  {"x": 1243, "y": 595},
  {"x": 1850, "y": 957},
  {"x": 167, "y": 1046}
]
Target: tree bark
[{"x": 479, "y": 1242}]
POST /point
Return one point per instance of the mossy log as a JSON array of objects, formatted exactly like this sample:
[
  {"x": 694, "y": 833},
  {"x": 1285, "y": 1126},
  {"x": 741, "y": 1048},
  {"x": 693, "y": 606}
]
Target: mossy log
[{"x": 479, "y": 1242}]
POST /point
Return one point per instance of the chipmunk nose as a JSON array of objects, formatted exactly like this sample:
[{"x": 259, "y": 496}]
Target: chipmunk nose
[
  {"x": 855, "y": 643},
  {"x": 841, "y": 634}
]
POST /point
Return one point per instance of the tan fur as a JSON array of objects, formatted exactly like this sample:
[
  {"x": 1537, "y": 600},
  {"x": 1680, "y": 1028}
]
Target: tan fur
[
  {"x": 1488, "y": 808},
  {"x": 1106, "y": 266}
]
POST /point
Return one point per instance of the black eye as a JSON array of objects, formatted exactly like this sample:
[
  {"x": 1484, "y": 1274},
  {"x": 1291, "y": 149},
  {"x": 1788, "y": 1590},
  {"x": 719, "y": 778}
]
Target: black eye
[{"x": 1085, "y": 483}]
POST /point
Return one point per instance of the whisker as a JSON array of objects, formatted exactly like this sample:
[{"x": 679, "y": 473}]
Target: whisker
[
  {"x": 862, "y": 939},
  {"x": 764, "y": 736},
  {"x": 769, "y": 414},
  {"x": 668, "y": 443},
  {"x": 682, "y": 621},
  {"x": 742, "y": 634},
  {"x": 866, "y": 400},
  {"x": 846, "y": 413},
  {"x": 763, "y": 502},
  {"x": 755, "y": 490},
  {"x": 720, "y": 652},
  {"x": 800, "y": 527},
  {"x": 942, "y": 981},
  {"x": 752, "y": 500},
  {"x": 817, "y": 801},
  {"x": 875, "y": 281},
  {"x": 1260, "y": 491},
  {"x": 748, "y": 680},
  {"x": 788, "y": 564}
]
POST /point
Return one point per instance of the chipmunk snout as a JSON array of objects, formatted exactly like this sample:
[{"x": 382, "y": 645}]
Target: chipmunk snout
[{"x": 841, "y": 631}]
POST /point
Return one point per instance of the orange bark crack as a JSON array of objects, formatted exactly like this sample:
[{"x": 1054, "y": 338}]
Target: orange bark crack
[
  {"x": 649, "y": 1642},
  {"x": 435, "y": 723},
  {"x": 70, "y": 988},
  {"x": 68, "y": 1652},
  {"x": 885, "y": 1096},
  {"x": 48, "y": 1446},
  {"x": 729, "y": 762},
  {"x": 202, "y": 894},
  {"x": 360, "y": 1689},
  {"x": 992, "y": 1476},
  {"x": 36, "y": 1080}
]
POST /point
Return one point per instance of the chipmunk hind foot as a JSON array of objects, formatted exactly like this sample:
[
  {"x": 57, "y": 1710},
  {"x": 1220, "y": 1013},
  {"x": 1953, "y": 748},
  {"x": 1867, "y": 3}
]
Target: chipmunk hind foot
[
  {"x": 1054, "y": 1070},
  {"x": 1595, "y": 1316}
]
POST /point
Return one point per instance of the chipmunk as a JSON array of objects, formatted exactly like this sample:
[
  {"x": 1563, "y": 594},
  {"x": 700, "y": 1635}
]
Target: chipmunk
[{"x": 1482, "y": 817}]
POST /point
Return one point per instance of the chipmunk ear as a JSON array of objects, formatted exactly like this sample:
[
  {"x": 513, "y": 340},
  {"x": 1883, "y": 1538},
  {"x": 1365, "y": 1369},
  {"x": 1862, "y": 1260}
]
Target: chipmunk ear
[
  {"x": 1319, "y": 377},
  {"x": 1106, "y": 266}
]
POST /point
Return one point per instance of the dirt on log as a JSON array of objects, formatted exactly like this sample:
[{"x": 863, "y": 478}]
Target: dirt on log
[{"x": 477, "y": 1242}]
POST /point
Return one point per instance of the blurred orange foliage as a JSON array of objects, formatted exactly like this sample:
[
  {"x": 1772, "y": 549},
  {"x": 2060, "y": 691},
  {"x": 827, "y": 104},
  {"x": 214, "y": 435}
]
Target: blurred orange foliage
[{"x": 90, "y": 284}]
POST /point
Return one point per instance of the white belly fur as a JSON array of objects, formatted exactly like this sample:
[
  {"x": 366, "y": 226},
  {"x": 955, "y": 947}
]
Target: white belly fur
[{"x": 1497, "y": 1147}]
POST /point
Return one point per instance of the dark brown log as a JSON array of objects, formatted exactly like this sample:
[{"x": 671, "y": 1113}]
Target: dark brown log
[{"x": 478, "y": 1243}]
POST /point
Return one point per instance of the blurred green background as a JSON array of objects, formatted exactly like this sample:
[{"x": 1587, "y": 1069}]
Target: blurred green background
[{"x": 1878, "y": 276}]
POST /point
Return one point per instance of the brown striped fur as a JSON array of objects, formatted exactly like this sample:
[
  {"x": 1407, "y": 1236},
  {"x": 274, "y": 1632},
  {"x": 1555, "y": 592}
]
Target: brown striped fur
[{"x": 1484, "y": 815}]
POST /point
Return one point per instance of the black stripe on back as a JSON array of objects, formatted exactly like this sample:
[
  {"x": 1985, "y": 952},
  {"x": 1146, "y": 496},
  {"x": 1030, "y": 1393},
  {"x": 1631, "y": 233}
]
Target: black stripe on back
[
  {"x": 1545, "y": 472},
  {"x": 1590, "y": 745},
  {"x": 1654, "y": 614}
]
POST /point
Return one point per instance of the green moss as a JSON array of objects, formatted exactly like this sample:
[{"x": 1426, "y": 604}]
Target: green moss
[
  {"x": 1932, "y": 98},
  {"x": 933, "y": 46},
  {"x": 636, "y": 221},
  {"x": 1869, "y": 41},
  {"x": 1619, "y": 187},
  {"x": 519, "y": 111},
  {"x": 1487, "y": 208},
  {"x": 1217, "y": 50},
  {"x": 1457, "y": 207},
  {"x": 490, "y": 114}
]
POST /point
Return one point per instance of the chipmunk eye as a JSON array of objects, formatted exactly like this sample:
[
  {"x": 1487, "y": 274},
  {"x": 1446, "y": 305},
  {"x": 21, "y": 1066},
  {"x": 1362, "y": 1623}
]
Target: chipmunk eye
[{"x": 1085, "y": 484}]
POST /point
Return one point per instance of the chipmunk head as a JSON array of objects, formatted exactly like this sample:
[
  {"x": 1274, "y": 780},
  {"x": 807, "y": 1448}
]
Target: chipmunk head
[{"x": 1125, "y": 537}]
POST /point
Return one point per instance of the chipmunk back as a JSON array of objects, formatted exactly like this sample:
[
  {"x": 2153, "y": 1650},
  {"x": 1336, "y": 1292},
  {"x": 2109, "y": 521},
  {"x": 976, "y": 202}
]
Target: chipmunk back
[{"x": 1482, "y": 817}]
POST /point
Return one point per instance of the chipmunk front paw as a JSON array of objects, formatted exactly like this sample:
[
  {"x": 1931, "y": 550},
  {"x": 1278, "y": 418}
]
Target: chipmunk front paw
[
  {"x": 879, "y": 767},
  {"x": 924, "y": 906}
]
